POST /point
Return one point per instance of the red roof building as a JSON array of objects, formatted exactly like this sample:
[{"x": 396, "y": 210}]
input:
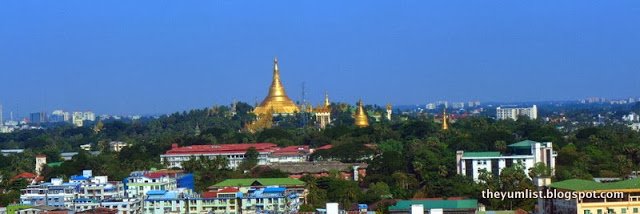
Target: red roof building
[
  {"x": 227, "y": 191},
  {"x": 234, "y": 153},
  {"x": 30, "y": 177}
]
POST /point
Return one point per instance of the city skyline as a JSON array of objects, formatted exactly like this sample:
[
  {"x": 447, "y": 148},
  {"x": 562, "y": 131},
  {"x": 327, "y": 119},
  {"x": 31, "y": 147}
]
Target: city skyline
[{"x": 118, "y": 59}]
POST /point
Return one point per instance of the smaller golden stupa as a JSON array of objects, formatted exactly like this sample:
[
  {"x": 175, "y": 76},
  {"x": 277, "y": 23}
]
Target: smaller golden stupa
[
  {"x": 361, "y": 116},
  {"x": 445, "y": 124}
]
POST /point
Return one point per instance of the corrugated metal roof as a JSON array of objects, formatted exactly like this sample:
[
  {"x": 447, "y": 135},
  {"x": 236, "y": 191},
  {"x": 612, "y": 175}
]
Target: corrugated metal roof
[
  {"x": 588, "y": 185},
  {"x": 480, "y": 154},
  {"x": 437, "y": 204}
]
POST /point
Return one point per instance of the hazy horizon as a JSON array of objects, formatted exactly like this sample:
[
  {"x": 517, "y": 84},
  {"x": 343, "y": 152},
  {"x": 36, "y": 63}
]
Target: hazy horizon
[{"x": 148, "y": 57}]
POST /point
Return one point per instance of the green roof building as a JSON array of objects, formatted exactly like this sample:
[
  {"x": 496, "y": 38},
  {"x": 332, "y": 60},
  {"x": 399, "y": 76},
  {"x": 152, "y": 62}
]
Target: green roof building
[
  {"x": 249, "y": 182},
  {"x": 447, "y": 206},
  {"x": 526, "y": 152},
  {"x": 589, "y": 185},
  {"x": 587, "y": 196}
]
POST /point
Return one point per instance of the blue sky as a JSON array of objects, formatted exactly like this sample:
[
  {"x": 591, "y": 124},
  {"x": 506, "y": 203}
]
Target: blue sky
[{"x": 145, "y": 56}]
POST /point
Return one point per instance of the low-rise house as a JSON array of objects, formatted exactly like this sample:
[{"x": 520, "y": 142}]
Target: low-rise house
[
  {"x": 81, "y": 193},
  {"x": 100, "y": 210},
  {"x": 122, "y": 205},
  {"x": 117, "y": 146},
  {"x": 291, "y": 186},
  {"x": 139, "y": 183},
  {"x": 43, "y": 209},
  {"x": 7, "y": 152},
  {"x": 28, "y": 176},
  {"x": 67, "y": 155},
  {"x": 347, "y": 171}
]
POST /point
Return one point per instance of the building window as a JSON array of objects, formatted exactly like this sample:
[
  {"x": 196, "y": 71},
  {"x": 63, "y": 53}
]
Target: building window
[
  {"x": 599, "y": 211},
  {"x": 635, "y": 210},
  {"x": 624, "y": 210}
]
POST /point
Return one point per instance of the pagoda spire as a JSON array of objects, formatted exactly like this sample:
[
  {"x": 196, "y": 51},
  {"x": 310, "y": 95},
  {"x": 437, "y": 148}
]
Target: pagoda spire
[
  {"x": 277, "y": 99},
  {"x": 445, "y": 124},
  {"x": 326, "y": 100},
  {"x": 361, "y": 119}
]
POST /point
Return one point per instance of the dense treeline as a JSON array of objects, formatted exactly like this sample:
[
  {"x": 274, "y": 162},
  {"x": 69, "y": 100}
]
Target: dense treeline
[{"x": 408, "y": 157}]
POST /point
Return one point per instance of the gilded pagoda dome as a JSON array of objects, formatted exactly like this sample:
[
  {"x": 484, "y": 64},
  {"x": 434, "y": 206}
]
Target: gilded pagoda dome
[{"x": 277, "y": 101}]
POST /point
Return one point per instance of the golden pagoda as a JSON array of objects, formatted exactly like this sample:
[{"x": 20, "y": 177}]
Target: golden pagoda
[
  {"x": 265, "y": 121},
  {"x": 445, "y": 124},
  {"x": 277, "y": 101},
  {"x": 361, "y": 116}
]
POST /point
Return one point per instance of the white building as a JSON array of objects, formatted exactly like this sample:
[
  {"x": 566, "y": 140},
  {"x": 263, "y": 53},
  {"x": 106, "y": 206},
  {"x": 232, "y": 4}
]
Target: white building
[
  {"x": 631, "y": 117},
  {"x": 430, "y": 106},
  {"x": 60, "y": 116},
  {"x": 82, "y": 192},
  {"x": 90, "y": 116},
  {"x": 141, "y": 182},
  {"x": 78, "y": 118},
  {"x": 525, "y": 152},
  {"x": 117, "y": 146},
  {"x": 234, "y": 153},
  {"x": 457, "y": 105},
  {"x": 513, "y": 113},
  {"x": 7, "y": 152},
  {"x": 123, "y": 206},
  {"x": 86, "y": 147}
]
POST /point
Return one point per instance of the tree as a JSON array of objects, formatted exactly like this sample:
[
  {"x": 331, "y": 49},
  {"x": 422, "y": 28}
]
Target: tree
[
  {"x": 540, "y": 170},
  {"x": 376, "y": 192},
  {"x": 207, "y": 171},
  {"x": 501, "y": 145},
  {"x": 250, "y": 159}
]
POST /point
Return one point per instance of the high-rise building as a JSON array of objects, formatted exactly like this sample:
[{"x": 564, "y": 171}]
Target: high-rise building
[
  {"x": 77, "y": 119},
  {"x": 513, "y": 113},
  {"x": 38, "y": 117},
  {"x": 443, "y": 102},
  {"x": 457, "y": 105},
  {"x": 431, "y": 106},
  {"x": 59, "y": 116},
  {"x": 88, "y": 115}
]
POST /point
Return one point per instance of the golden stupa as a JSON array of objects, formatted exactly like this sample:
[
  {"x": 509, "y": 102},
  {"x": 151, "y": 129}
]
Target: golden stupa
[
  {"x": 277, "y": 101},
  {"x": 445, "y": 124},
  {"x": 361, "y": 116}
]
